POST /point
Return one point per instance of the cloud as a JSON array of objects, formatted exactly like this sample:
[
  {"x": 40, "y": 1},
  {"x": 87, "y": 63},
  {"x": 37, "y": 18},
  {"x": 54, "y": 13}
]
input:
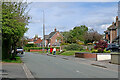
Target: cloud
[
  {"x": 65, "y": 16},
  {"x": 105, "y": 26},
  {"x": 72, "y": 0}
]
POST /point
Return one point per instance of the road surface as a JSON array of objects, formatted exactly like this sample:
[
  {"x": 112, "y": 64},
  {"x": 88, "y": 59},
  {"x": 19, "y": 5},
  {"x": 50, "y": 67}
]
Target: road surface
[{"x": 43, "y": 66}]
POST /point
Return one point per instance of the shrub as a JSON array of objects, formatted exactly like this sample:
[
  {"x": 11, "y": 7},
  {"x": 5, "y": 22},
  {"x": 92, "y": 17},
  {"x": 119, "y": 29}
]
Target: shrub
[
  {"x": 90, "y": 43},
  {"x": 100, "y": 46},
  {"x": 73, "y": 47},
  {"x": 107, "y": 51},
  {"x": 37, "y": 48},
  {"x": 100, "y": 51},
  {"x": 94, "y": 51},
  {"x": 31, "y": 45},
  {"x": 27, "y": 48},
  {"x": 64, "y": 44}
]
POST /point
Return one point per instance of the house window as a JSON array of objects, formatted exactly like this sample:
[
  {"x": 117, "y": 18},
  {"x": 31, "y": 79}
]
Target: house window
[
  {"x": 56, "y": 40},
  {"x": 60, "y": 41}
]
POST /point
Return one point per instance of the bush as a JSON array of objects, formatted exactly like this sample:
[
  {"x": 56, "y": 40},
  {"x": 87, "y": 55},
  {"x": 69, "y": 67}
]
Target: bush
[
  {"x": 107, "y": 51},
  {"x": 100, "y": 46},
  {"x": 100, "y": 51},
  {"x": 64, "y": 44},
  {"x": 31, "y": 45},
  {"x": 37, "y": 48},
  {"x": 94, "y": 51},
  {"x": 27, "y": 48},
  {"x": 73, "y": 47}
]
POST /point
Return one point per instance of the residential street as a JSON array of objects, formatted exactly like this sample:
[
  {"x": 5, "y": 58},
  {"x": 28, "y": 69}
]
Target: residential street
[{"x": 43, "y": 66}]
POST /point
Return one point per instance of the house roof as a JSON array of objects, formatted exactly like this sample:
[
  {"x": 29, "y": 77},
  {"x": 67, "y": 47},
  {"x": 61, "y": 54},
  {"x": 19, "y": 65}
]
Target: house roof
[
  {"x": 106, "y": 31},
  {"x": 46, "y": 36},
  {"x": 51, "y": 34},
  {"x": 112, "y": 26}
]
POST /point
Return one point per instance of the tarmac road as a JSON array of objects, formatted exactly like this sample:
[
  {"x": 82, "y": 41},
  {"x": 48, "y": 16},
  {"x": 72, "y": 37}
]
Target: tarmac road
[{"x": 43, "y": 66}]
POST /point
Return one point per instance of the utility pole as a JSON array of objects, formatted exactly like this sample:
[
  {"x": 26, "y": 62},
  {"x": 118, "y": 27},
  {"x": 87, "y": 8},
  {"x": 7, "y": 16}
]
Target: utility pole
[
  {"x": 43, "y": 31},
  {"x": 119, "y": 24}
]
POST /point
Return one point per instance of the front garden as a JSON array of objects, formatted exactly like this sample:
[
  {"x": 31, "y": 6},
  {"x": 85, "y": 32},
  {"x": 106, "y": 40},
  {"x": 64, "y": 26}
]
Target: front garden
[{"x": 71, "y": 49}]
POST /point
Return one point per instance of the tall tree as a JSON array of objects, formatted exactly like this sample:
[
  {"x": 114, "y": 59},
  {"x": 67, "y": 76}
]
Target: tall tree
[
  {"x": 14, "y": 20},
  {"x": 91, "y": 36},
  {"x": 76, "y": 34}
]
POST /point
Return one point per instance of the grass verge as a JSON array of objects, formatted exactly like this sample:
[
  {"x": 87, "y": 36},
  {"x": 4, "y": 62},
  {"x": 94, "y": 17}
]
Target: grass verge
[{"x": 18, "y": 60}]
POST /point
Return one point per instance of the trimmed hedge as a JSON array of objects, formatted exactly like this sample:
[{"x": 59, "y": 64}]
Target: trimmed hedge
[
  {"x": 37, "y": 48},
  {"x": 73, "y": 47}
]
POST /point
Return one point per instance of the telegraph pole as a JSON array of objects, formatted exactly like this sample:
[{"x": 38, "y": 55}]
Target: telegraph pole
[
  {"x": 43, "y": 31},
  {"x": 119, "y": 24}
]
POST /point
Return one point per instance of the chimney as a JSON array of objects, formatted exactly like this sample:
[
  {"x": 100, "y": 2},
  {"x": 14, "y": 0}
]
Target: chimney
[
  {"x": 55, "y": 29},
  {"x": 113, "y": 23},
  {"x": 116, "y": 21},
  {"x": 116, "y": 18}
]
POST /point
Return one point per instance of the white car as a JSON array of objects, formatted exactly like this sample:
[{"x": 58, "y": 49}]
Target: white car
[{"x": 20, "y": 50}]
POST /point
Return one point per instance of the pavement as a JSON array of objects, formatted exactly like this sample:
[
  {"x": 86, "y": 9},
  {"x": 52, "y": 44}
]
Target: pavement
[
  {"x": 12, "y": 70},
  {"x": 54, "y": 66}
]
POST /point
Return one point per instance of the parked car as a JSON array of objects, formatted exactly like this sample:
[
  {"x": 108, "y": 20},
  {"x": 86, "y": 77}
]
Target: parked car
[
  {"x": 20, "y": 50},
  {"x": 113, "y": 47}
]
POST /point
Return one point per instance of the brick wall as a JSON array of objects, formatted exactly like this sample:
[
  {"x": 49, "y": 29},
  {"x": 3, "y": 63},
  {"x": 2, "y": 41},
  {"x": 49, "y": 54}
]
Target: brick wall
[
  {"x": 113, "y": 35},
  {"x": 53, "y": 39}
]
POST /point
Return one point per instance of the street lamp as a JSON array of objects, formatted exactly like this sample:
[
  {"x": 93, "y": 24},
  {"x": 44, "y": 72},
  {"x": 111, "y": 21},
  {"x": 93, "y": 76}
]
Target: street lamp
[{"x": 43, "y": 31}]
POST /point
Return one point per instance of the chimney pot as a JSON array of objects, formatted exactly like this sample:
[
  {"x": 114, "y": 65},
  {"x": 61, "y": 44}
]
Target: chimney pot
[
  {"x": 113, "y": 23},
  {"x": 55, "y": 29},
  {"x": 116, "y": 18}
]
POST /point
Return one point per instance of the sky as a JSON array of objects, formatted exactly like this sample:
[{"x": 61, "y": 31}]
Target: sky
[{"x": 64, "y": 16}]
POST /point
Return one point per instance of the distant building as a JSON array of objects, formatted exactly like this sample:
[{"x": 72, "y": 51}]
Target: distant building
[
  {"x": 36, "y": 40},
  {"x": 111, "y": 34},
  {"x": 55, "y": 38}
]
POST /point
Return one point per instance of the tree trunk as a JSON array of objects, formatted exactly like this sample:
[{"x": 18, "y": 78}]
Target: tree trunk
[
  {"x": 6, "y": 49},
  {"x": 14, "y": 53}
]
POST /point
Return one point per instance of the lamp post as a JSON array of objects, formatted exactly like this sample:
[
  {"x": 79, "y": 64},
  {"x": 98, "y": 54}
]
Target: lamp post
[{"x": 43, "y": 31}]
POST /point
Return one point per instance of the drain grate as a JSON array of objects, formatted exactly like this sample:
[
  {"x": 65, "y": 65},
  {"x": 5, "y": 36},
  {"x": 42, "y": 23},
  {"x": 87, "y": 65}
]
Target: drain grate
[{"x": 99, "y": 65}]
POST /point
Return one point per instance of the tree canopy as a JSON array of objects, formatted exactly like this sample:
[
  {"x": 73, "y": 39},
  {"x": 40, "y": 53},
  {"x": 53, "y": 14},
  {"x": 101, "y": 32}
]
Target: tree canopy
[
  {"x": 76, "y": 34},
  {"x": 14, "y": 21}
]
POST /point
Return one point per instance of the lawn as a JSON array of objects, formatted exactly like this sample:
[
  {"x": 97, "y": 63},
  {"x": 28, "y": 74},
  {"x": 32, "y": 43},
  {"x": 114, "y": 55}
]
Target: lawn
[
  {"x": 69, "y": 53},
  {"x": 18, "y": 60},
  {"x": 66, "y": 53}
]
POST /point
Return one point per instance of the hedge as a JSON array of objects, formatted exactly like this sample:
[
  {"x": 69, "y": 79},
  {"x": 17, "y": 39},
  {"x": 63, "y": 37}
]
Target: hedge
[{"x": 37, "y": 48}]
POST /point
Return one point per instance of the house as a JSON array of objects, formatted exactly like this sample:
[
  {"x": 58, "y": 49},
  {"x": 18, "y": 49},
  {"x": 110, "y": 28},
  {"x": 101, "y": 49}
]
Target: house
[
  {"x": 111, "y": 34},
  {"x": 36, "y": 40},
  {"x": 55, "y": 38}
]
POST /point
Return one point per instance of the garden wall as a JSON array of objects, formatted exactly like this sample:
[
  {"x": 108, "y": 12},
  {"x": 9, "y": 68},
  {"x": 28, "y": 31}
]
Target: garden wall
[{"x": 97, "y": 56}]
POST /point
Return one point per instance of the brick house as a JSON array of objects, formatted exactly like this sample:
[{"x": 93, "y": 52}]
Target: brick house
[
  {"x": 111, "y": 34},
  {"x": 36, "y": 40},
  {"x": 55, "y": 38}
]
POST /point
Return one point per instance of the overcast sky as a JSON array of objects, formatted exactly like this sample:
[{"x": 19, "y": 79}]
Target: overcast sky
[{"x": 66, "y": 15}]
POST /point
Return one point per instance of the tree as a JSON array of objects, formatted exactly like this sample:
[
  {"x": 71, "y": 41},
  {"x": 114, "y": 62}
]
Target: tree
[
  {"x": 22, "y": 42},
  {"x": 14, "y": 20},
  {"x": 91, "y": 36},
  {"x": 76, "y": 34}
]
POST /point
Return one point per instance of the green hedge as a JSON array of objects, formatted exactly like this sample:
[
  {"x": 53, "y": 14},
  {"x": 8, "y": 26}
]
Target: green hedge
[
  {"x": 37, "y": 48},
  {"x": 73, "y": 47}
]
